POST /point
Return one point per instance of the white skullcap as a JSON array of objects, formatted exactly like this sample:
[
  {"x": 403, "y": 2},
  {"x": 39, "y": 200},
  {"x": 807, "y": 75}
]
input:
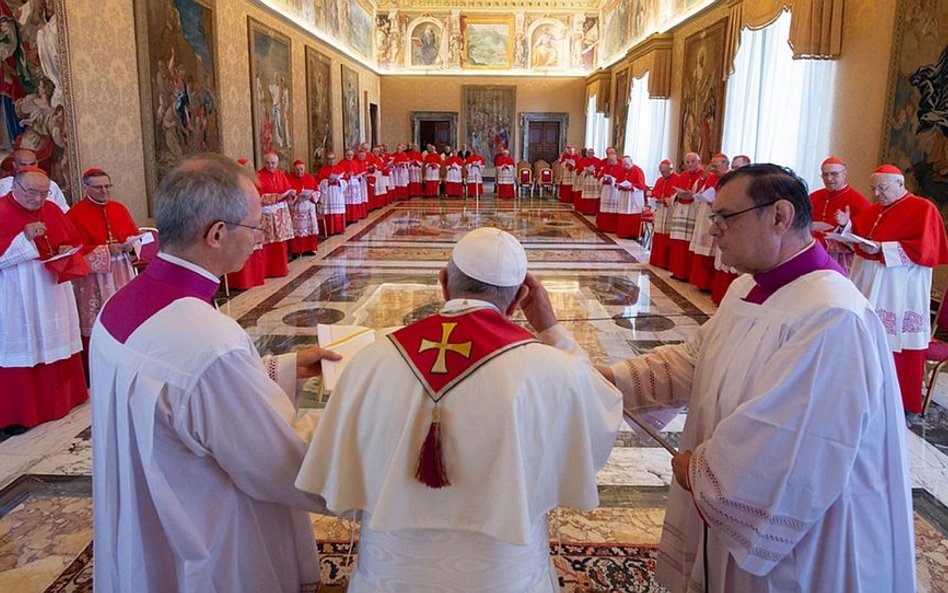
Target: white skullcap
[{"x": 492, "y": 256}]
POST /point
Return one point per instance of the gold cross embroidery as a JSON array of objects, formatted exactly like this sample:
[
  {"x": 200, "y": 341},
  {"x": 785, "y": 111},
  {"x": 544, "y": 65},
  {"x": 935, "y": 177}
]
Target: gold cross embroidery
[{"x": 440, "y": 367}]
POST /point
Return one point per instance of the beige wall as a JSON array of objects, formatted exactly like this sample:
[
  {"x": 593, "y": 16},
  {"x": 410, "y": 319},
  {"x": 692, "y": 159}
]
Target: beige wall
[
  {"x": 106, "y": 95},
  {"x": 403, "y": 94}
]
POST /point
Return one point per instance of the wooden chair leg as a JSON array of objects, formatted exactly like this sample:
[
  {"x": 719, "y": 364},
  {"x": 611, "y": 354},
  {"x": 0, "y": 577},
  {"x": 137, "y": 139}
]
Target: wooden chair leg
[{"x": 932, "y": 380}]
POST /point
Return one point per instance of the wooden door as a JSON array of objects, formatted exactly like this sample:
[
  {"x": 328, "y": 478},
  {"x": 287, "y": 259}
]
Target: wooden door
[{"x": 544, "y": 138}]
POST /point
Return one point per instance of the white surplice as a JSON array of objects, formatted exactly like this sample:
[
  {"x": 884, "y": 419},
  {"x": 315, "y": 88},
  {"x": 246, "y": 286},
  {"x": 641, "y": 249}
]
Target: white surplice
[
  {"x": 526, "y": 432},
  {"x": 39, "y": 321},
  {"x": 196, "y": 445},
  {"x": 798, "y": 435}
]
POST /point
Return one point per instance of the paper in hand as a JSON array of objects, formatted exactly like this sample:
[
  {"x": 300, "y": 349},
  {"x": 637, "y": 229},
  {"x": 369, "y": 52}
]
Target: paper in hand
[
  {"x": 851, "y": 239},
  {"x": 346, "y": 340},
  {"x": 72, "y": 251},
  {"x": 821, "y": 227}
]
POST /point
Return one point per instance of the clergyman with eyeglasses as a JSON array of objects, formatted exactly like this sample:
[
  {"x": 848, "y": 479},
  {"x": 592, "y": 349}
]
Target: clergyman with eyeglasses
[
  {"x": 108, "y": 234},
  {"x": 41, "y": 376},
  {"x": 904, "y": 239},
  {"x": 792, "y": 471},
  {"x": 196, "y": 439},
  {"x": 835, "y": 195}
]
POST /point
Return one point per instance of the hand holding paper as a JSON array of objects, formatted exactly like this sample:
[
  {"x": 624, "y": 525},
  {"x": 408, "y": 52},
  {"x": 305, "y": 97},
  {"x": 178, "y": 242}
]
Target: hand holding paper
[{"x": 344, "y": 341}]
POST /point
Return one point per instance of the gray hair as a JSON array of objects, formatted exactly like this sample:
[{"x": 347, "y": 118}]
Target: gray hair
[
  {"x": 202, "y": 190},
  {"x": 461, "y": 285}
]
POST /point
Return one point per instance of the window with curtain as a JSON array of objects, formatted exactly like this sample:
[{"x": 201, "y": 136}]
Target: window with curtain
[
  {"x": 778, "y": 109},
  {"x": 646, "y": 129},
  {"x": 597, "y": 128}
]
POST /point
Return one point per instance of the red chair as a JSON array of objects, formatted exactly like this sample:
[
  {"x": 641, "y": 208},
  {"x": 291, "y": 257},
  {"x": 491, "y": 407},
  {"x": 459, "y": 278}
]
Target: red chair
[
  {"x": 936, "y": 356},
  {"x": 546, "y": 181},
  {"x": 525, "y": 181}
]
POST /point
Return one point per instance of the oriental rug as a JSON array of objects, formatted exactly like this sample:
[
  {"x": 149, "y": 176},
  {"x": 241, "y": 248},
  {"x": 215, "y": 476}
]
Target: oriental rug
[{"x": 582, "y": 568}]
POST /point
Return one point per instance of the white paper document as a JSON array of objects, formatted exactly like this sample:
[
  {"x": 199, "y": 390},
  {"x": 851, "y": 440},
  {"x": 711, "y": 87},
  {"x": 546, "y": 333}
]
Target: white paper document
[
  {"x": 69, "y": 253},
  {"x": 851, "y": 239},
  {"x": 821, "y": 227},
  {"x": 346, "y": 340}
]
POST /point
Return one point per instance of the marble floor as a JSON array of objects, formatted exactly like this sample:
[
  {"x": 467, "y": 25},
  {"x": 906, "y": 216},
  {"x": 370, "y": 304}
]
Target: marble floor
[{"x": 381, "y": 273}]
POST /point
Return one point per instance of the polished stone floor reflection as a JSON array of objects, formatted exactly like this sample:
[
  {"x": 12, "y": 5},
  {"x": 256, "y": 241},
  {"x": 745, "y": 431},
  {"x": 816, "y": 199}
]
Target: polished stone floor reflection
[{"x": 382, "y": 274}]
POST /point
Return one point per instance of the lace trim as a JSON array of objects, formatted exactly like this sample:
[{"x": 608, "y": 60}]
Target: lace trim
[{"x": 272, "y": 368}]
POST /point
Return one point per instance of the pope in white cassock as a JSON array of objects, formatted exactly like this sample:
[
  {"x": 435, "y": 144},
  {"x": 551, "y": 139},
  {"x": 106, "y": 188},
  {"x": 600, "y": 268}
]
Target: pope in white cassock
[
  {"x": 452, "y": 439},
  {"x": 793, "y": 466},
  {"x": 196, "y": 440}
]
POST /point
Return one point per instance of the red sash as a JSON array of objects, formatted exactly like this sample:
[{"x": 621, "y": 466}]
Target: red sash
[{"x": 443, "y": 350}]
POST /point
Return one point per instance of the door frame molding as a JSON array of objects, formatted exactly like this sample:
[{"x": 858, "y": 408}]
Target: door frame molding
[
  {"x": 528, "y": 117},
  {"x": 421, "y": 116}
]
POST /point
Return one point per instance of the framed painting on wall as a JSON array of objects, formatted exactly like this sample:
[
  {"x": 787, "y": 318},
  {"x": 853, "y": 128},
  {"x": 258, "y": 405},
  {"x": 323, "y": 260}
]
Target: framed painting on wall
[
  {"x": 270, "y": 93},
  {"x": 351, "y": 115},
  {"x": 623, "y": 90},
  {"x": 489, "y": 119},
  {"x": 319, "y": 105},
  {"x": 177, "y": 55},
  {"x": 915, "y": 134},
  {"x": 37, "y": 100},
  {"x": 702, "y": 109},
  {"x": 488, "y": 42}
]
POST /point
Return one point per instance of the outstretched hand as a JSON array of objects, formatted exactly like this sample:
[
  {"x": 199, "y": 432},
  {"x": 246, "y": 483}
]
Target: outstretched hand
[
  {"x": 307, "y": 361},
  {"x": 536, "y": 306}
]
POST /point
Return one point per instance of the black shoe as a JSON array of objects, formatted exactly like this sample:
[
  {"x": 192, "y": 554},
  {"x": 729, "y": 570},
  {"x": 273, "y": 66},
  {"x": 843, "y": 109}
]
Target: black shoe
[{"x": 14, "y": 430}]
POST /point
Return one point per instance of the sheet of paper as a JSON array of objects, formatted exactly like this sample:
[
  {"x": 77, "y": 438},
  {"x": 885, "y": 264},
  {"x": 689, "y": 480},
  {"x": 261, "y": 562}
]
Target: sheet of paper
[
  {"x": 821, "y": 227},
  {"x": 347, "y": 340},
  {"x": 65, "y": 254},
  {"x": 851, "y": 239}
]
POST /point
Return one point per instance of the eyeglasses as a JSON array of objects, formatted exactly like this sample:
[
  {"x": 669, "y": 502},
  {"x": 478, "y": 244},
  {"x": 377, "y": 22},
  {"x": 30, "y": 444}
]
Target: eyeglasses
[
  {"x": 720, "y": 220},
  {"x": 880, "y": 188},
  {"x": 106, "y": 187},
  {"x": 33, "y": 193},
  {"x": 258, "y": 229}
]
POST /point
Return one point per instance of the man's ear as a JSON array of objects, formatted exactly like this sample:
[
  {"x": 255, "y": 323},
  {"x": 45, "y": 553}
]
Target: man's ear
[
  {"x": 522, "y": 293},
  {"x": 443, "y": 281},
  {"x": 783, "y": 214},
  {"x": 214, "y": 234}
]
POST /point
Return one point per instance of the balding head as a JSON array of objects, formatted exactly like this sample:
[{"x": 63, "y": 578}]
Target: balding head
[
  {"x": 271, "y": 161},
  {"x": 23, "y": 157},
  {"x": 30, "y": 188}
]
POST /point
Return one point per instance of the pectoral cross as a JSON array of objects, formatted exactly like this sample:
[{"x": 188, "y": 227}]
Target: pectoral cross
[{"x": 464, "y": 349}]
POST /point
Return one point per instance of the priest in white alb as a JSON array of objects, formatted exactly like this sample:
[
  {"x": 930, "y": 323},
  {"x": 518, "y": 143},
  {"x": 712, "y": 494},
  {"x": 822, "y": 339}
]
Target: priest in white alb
[
  {"x": 453, "y": 438},
  {"x": 197, "y": 440},
  {"x": 792, "y": 472}
]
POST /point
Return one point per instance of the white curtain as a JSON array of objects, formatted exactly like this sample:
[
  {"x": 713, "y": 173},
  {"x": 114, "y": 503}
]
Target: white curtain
[
  {"x": 778, "y": 109},
  {"x": 646, "y": 129},
  {"x": 597, "y": 128}
]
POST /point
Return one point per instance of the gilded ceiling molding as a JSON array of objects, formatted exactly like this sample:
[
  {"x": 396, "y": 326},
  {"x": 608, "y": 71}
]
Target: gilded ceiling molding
[{"x": 507, "y": 5}]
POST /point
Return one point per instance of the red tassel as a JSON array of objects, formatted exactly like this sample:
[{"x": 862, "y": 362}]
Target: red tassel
[{"x": 431, "y": 470}]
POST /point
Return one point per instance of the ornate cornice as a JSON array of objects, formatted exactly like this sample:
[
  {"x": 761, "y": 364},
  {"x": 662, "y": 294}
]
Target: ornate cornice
[{"x": 506, "y": 5}]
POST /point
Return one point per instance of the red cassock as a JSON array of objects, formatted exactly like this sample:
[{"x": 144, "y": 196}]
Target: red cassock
[
  {"x": 722, "y": 281},
  {"x": 371, "y": 164},
  {"x": 335, "y": 215},
  {"x": 454, "y": 189},
  {"x": 919, "y": 229},
  {"x": 825, "y": 204},
  {"x": 400, "y": 162},
  {"x": 701, "y": 273},
  {"x": 275, "y": 253},
  {"x": 432, "y": 163},
  {"x": 569, "y": 162},
  {"x": 475, "y": 184},
  {"x": 44, "y": 391},
  {"x": 628, "y": 224},
  {"x": 101, "y": 224},
  {"x": 606, "y": 218},
  {"x": 416, "y": 174},
  {"x": 299, "y": 183},
  {"x": 505, "y": 178},
  {"x": 663, "y": 192},
  {"x": 679, "y": 256}
]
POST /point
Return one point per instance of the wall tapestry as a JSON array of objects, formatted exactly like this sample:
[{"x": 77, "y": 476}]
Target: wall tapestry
[
  {"x": 319, "y": 105},
  {"x": 916, "y": 128},
  {"x": 488, "y": 119},
  {"x": 623, "y": 90},
  {"x": 351, "y": 126},
  {"x": 270, "y": 97},
  {"x": 35, "y": 98},
  {"x": 179, "y": 104},
  {"x": 703, "y": 92}
]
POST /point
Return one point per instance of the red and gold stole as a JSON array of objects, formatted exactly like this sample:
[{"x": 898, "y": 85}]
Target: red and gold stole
[{"x": 442, "y": 351}]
